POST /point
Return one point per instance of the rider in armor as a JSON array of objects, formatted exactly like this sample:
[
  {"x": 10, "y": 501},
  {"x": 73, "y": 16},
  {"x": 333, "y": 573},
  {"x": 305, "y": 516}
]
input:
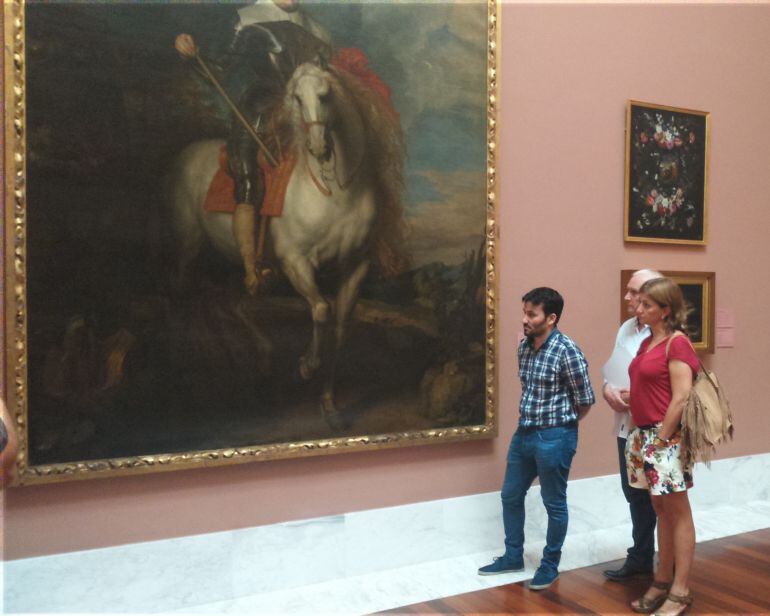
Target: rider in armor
[{"x": 271, "y": 39}]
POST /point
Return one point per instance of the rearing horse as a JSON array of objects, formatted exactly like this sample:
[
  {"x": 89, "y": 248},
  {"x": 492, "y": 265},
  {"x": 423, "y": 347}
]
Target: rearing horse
[{"x": 329, "y": 214}]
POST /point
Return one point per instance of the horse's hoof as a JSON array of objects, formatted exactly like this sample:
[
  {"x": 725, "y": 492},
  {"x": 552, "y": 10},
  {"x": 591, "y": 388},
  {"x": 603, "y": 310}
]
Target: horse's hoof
[
  {"x": 251, "y": 282},
  {"x": 335, "y": 420},
  {"x": 333, "y": 417},
  {"x": 307, "y": 368},
  {"x": 266, "y": 277},
  {"x": 260, "y": 281},
  {"x": 304, "y": 373}
]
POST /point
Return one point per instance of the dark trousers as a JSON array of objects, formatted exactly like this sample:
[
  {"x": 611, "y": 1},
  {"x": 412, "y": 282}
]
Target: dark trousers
[{"x": 643, "y": 517}]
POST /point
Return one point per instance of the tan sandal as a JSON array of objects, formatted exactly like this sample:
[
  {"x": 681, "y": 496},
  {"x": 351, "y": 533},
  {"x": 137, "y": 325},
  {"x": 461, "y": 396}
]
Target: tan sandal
[
  {"x": 684, "y": 601},
  {"x": 643, "y": 605}
]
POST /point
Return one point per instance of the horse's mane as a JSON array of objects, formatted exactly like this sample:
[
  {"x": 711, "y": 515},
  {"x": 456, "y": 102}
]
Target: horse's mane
[{"x": 385, "y": 157}]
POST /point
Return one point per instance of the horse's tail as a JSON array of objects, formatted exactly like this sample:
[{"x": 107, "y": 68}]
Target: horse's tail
[{"x": 389, "y": 240}]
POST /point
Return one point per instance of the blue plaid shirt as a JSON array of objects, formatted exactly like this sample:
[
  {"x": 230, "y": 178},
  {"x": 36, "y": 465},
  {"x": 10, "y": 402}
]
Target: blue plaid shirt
[{"x": 554, "y": 382}]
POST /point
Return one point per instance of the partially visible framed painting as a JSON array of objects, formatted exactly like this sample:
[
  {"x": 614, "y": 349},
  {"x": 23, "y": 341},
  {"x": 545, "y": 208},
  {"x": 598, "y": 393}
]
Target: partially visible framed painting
[
  {"x": 699, "y": 291},
  {"x": 241, "y": 231},
  {"x": 666, "y": 194}
]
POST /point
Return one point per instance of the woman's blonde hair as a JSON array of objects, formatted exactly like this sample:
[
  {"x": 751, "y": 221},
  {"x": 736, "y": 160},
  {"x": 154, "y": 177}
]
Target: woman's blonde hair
[{"x": 665, "y": 292}]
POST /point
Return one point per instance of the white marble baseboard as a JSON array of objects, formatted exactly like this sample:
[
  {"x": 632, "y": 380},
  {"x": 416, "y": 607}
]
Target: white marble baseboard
[
  {"x": 365, "y": 561},
  {"x": 432, "y": 580}
]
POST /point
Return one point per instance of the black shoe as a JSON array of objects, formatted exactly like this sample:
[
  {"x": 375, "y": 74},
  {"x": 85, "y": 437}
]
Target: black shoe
[{"x": 625, "y": 572}]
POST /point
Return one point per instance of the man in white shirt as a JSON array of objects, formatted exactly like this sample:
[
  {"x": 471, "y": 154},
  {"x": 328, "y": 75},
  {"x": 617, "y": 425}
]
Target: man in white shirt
[{"x": 643, "y": 520}]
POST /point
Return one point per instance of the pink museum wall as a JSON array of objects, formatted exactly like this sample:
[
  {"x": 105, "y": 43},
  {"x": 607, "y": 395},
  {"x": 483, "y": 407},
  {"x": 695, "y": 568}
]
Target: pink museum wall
[{"x": 566, "y": 73}]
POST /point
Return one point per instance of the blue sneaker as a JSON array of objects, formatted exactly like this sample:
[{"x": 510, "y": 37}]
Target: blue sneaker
[
  {"x": 502, "y": 565},
  {"x": 544, "y": 577}
]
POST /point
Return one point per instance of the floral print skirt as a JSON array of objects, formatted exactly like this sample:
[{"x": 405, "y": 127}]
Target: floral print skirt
[{"x": 659, "y": 468}]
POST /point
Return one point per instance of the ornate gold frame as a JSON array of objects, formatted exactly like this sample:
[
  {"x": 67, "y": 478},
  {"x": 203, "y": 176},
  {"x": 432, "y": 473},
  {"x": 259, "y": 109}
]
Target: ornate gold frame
[
  {"x": 655, "y": 240},
  {"x": 15, "y": 307}
]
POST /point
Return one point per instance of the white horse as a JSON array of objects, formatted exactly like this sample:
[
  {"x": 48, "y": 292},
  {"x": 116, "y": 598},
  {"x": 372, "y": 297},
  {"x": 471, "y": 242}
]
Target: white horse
[{"x": 328, "y": 216}]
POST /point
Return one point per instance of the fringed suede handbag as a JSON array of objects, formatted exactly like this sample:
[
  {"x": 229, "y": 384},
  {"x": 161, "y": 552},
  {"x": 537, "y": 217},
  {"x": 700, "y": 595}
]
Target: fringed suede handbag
[{"x": 706, "y": 418}]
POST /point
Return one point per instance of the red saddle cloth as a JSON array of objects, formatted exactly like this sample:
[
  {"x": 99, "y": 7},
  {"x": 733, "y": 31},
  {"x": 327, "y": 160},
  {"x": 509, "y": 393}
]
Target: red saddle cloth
[
  {"x": 355, "y": 62},
  {"x": 220, "y": 196}
]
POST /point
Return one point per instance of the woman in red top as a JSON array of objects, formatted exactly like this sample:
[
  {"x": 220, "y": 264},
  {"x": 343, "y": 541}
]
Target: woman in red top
[{"x": 662, "y": 375}]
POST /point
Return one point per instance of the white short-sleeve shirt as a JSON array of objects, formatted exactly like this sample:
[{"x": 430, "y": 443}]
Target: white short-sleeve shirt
[{"x": 626, "y": 346}]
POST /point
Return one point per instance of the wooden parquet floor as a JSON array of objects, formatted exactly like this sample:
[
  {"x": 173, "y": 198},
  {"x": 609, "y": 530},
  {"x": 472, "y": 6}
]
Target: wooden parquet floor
[{"x": 730, "y": 576}]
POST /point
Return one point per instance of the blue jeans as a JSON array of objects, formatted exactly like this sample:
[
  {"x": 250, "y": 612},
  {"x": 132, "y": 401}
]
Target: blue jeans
[
  {"x": 547, "y": 454},
  {"x": 643, "y": 517}
]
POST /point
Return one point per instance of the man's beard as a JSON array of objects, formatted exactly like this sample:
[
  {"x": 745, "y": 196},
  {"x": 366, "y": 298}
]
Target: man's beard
[{"x": 533, "y": 333}]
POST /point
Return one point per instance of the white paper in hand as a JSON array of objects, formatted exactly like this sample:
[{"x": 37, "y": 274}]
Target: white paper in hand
[{"x": 615, "y": 371}]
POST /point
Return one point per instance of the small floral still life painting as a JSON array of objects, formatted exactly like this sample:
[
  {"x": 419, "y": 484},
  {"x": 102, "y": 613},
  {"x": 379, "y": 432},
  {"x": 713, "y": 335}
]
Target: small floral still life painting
[{"x": 666, "y": 174}]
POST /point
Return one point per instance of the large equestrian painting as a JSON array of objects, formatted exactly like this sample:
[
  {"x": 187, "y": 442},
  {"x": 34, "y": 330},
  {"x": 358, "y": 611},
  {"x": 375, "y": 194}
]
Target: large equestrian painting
[{"x": 244, "y": 231}]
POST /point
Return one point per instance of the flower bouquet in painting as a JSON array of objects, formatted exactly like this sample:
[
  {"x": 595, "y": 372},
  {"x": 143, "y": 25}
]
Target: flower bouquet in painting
[{"x": 666, "y": 174}]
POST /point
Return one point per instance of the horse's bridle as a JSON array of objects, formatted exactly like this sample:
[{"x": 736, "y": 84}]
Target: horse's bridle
[{"x": 306, "y": 126}]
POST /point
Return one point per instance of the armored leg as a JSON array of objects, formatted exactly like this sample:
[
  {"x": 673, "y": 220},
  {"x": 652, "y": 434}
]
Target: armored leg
[{"x": 249, "y": 192}]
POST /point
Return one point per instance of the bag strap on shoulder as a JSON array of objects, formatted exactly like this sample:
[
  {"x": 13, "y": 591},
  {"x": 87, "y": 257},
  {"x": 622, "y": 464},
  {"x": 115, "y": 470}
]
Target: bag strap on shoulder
[
  {"x": 671, "y": 339},
  {"x": 702, "y": 367}
]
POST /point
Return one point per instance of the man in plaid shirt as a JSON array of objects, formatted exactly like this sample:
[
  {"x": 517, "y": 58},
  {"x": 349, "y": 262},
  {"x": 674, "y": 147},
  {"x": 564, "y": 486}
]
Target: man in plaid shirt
[{"x": 556, "y": 393}]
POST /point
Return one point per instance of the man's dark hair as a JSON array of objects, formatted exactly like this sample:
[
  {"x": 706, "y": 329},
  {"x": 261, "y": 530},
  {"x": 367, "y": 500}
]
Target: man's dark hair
[{"x": 548, "y": 298}]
